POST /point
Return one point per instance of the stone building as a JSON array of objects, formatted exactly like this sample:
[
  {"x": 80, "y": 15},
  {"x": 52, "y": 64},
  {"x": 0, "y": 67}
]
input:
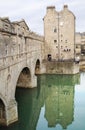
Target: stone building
[
  {"x": 83, "y": 43},
  {"x": 80, "y": 45},
  {"x": 59, "y": 32}
]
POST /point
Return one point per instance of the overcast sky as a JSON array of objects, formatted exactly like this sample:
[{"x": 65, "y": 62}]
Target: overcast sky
[{"x": 33, "y": 11}]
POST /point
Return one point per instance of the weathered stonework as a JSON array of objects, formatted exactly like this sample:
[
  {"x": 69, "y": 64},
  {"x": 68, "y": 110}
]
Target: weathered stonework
[
  {"x": 11, "y": 113},
  {"x": 20, "y": 49},
  {"x": 59, "y": 32},
  {"x": 62, "y": 67}
]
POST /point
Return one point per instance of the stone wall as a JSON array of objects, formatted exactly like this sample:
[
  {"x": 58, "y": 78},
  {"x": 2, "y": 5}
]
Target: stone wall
[
  {"x": 62, "y": 67},
  {"x": 16, "y": 41},
  {"x": 19, "y": 48}
]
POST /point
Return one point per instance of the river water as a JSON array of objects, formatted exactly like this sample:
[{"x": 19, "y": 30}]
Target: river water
[{"x": 57, "y": 103}]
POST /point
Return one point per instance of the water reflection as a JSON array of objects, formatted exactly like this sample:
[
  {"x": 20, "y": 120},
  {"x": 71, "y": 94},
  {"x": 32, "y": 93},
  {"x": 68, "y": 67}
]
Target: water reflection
[
  {"x": 59, "y": 101},
  {"x": 59, "y": 105},
  {"x": 54, "y": 97}
]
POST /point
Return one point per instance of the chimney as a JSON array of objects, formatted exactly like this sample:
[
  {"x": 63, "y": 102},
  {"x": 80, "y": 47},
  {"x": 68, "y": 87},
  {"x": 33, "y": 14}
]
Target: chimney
[
  {"x": 50, "y": 8},
  {"x": 65, "y": 7}
]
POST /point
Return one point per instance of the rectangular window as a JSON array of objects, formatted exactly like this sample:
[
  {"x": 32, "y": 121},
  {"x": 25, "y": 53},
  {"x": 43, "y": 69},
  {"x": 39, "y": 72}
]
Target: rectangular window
[
  {"x": 55, "y": 30},
  {"x": 55, "y": 41}
]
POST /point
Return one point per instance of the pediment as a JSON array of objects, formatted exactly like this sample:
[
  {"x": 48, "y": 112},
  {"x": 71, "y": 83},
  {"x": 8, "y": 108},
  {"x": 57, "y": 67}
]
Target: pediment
[
  {"x": 22, "y": 23},
  {"x": 5, "y": 19}
]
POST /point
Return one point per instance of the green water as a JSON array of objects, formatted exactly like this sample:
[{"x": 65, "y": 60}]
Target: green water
[{"x": 57, "y": 103}]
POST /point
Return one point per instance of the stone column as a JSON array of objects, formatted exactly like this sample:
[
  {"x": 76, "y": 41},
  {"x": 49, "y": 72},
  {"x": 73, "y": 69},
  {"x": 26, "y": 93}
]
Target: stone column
[
  {"x": 11, "y": 112},
  {"x": 33, "y": 81},
  {"x": 43, "y": 68}
]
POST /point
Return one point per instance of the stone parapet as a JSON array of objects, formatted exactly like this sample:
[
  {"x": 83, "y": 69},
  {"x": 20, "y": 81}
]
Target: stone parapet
[
  {"x": 62, "y": 67},
  {"x": 35, "y": 36}
]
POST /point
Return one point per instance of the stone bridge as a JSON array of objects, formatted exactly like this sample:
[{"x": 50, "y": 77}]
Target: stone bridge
[{"x": 20, "y": 59}]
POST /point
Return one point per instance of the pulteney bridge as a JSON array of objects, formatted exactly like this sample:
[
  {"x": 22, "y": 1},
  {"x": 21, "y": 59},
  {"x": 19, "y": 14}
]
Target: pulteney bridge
[{"x": 20, "y": 59}]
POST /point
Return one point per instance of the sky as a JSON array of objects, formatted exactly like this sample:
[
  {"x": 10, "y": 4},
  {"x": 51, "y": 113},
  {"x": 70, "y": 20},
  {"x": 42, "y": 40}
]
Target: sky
[{"x": 33, "y": 12}]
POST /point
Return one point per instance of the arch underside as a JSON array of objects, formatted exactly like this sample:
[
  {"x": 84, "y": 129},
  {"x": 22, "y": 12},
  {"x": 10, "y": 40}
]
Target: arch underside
[
  {"x": 2, "y": 113},
  {"x": 24, "y": 79}
]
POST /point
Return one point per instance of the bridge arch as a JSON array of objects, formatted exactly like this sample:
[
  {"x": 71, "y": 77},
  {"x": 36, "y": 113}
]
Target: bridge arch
[
  {"x": 24, "y": 79},
  {"x": 3, "y": 99},
  {"x": 2, "y": 112}
]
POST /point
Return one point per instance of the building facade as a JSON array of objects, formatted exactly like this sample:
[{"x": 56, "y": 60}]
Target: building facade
[
  {"x": 59, "y": 32},
  {"x": 80, "y": 45}
]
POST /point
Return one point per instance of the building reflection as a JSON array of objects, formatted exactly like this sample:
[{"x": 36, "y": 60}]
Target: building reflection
[{"x": 59, "y": 104}]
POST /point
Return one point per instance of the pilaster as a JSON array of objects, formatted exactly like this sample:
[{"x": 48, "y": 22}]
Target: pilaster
[{"x": 11, "y": 112}]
